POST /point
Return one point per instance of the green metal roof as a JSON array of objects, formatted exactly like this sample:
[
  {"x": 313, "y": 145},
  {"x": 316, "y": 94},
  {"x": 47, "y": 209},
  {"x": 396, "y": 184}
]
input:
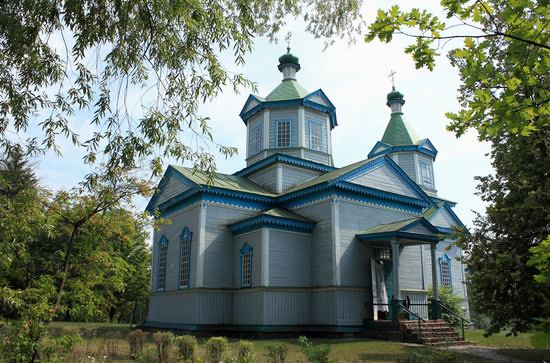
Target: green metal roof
[
  {"x": 429, "y": 213},
  {"x": 397, "y": 132},
  {"x": 390, "y": 227},
  {"x": 289, "y": 89},
  {"x": 331, "y": 175},
  {"x": 219, "y": 180},
  {"x": 283, "y": 213}
]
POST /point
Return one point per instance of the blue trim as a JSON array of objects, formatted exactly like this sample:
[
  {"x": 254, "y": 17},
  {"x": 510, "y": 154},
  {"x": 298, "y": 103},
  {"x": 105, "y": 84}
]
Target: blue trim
[
  {"x": 394, "y": 149},
  {"x": 265, "y": 221},
  {"x": 185, "y": 236},
  {"x": 444, "y": 230},
  {"x": 449, "y": 209},
  {"x": 162, "y": 242},
  {"x": 248, "y": 101},
  {"x": 277, "y": 146},
  {"x": 445, "y": 259},
  {"x": 285, "y": 159},
  {"x": 244, "y": 250},
  {"x": 390, "y": 235},
  {"x": 429, "y": 143}
]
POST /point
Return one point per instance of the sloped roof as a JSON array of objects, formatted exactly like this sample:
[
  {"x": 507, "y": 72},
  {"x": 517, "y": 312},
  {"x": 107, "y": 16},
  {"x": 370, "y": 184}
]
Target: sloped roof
[
  {"x": 390, "y": 227},
  {"x": 283, "y": 213},
  {"x": 399, "y": 229},
  {"x": 429, "y": 213},
  {"x": 397, "y": 132},
  {"x": 289, "y": 89},
  {"x": 219, "y": 180}
]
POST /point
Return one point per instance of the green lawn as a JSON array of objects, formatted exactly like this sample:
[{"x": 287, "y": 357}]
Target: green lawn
[{"x": 499, "y": 340}]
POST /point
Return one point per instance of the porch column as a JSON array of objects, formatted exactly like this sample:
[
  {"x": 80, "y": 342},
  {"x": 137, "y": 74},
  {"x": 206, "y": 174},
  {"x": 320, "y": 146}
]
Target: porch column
[
  {"x": 435, "y": 293},
  {"x": 395, "y": 271}
]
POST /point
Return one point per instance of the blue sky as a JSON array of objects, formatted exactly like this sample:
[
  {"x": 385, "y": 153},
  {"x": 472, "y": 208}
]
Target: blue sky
[{"x": 355, "y": 78}]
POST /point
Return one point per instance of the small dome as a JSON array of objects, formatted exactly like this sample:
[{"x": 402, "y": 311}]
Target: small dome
[
  {"x": 395, "y": 95},
  {"x": 288, "y": 59}
]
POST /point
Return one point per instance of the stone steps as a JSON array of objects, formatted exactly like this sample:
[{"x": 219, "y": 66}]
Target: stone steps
[{"x": 434, "y": 333}]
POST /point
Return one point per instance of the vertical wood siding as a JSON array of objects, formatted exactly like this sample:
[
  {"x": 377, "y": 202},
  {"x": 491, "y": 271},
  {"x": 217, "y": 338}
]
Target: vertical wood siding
[
  {"x": 248, "y": 307},
  {"x": 319, "y": 118},
  {"x": 406, "y": 162},
  {"x": 410, "y": 269},
  {"x": 289, "y": 259},
  {"x": 323, "y": 307},
  {"x": 266, "y": 178},
  {"x": 218, "y": 249},
  {"x": 293, "y": 176},
  {"x": 284, "y": 114},
  {"x": 254, "y": 239},
  {"x": 384, "y": 179},
  {"x": 417, "y": 297},
  {"x": 215, "y": 307},
  {"x": 287, "y": 307},
  {"x": 172, "y": 188},
  {"x": 256, "y": 122},
  {"x": 181, "y": 307}
]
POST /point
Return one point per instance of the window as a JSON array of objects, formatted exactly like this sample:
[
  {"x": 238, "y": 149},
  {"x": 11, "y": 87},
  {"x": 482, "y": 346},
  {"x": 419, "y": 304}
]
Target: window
[
  {"x": 426, "y": 174},
  {"x": 185, "y": 257},
  {"x": 161, "y": 270},
  {"x": 445, "y": 270},
  {"x": 283, "y": 134},
  {"x": 255, "y": 139},
  {"x": 315, "y": 136},
  {"x": 246, "y": 265},
  {"x": 381, "y": 253}
]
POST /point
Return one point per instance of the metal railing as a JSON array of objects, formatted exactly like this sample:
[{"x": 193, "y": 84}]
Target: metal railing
[
  {"x": 454, "y": 314},
  {"x": 419, "y": 319}
]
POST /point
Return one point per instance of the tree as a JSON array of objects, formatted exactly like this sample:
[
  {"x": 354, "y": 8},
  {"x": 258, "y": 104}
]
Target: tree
[
  {"x": 504, "y": 66},
  {"x": 169, "y": 49}
]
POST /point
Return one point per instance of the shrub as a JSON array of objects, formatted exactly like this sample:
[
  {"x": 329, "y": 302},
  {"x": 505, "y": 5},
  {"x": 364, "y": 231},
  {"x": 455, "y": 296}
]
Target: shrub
[
  {"x": 276, "y": 353},
  {"x": 428, "y": 355},
  {"x": 215, "y": 349},
  {"x": 109, "y": 344},
  {"x": 61, "y": 349},
  {"x": 450, "y": 300},
  {"x": 163, "y": 341},
  {"x": 136, "y": 338},
  {"x": 315, "y": 353},
  {"x": 246, "y": 352},
  {"x": 89, "y": 333},
  {"x": 187, "y": 348}
]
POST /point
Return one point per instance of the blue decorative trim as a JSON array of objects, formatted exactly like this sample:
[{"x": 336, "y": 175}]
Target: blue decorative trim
[
  {"x": 244, "y": 250},
  {"x": 394, "y": 149},
  {"x": 445, "y": 259},
  {"x": 185, "y": 236},
  {"x": 425, "y": 142},
  {"x": 382, "y": 194},
  {"x": 444, "y": 230},
  {"x": 162, "y": 242},
  {"x": 452, "y": 214},
  {"x": 390, "y": 235},
  {"x": 265, "y": 221},
  {"x": 285, "y": 159},
  {"x": 248, "y": 101}
]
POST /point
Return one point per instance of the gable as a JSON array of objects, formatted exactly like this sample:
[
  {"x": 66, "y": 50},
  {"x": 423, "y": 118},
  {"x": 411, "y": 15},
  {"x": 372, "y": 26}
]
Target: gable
[
  {"x": 383, "y": 178},
  {"x": 250, "y": 105},
  {"x": 442, "y": 218},
  {"x": 418, "y": 228},
  {"x": 173, "y": 187}
]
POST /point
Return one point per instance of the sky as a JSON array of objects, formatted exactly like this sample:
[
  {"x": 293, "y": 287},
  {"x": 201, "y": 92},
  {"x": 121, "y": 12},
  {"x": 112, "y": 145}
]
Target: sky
[{"x": 356, "y": 79}]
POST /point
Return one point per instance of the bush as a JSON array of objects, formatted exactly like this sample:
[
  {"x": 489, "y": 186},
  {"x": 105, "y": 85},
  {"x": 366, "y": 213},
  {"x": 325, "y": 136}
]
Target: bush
[
  {"x": 136, "y": 338},
  {"x": 450, "y": 300},
  {"x": 61, "y": 349},
  {"x": 109, "y": 344},
  {"x": 187, "y": 348},
  {"x": 163, "y": 341},
  {"x": 315, "y": 353},
  {"x": 215, "y": 349},
  {"x": 246, "y": 352},
  {"x": 276, "y": 353},
  {"x": 428, "y": 355}
]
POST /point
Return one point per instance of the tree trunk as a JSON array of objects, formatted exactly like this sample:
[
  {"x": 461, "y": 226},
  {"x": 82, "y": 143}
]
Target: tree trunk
[
  {"x": 65, "y": 268},
  {"x": 112, "y": 312}
]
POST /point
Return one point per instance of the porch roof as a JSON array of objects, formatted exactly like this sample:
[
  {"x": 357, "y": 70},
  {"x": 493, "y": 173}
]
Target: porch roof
[{"x": 414, "y": 230}]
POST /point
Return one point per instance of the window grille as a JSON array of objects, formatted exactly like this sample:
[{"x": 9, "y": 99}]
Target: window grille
[
  {"x": 283, "y": 134},
  {"x": 381, "y": 253},
  {"x": 161, "y": 271},
  {"x": 185, "y": 257},
  {"x": 315, "y": 136}
]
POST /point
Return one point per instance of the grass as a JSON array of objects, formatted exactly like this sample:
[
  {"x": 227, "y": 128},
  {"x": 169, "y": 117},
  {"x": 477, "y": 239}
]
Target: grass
[{"x": 99, "y": 336}]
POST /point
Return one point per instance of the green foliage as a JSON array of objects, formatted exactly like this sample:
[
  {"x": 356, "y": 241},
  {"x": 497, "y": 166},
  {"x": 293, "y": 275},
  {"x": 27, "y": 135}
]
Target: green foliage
[
  {"x": 215, "y": 349},
  {"x": 245, "y": 353},
  {"x": 136, "y": 338},
  {"x": 503, "y": 63},
  {"x": 451, "y": 301},
  {"x": 171, "y": 50},
  {"x": 429, "y": 355},
  {"x": 187, "y": 348},
  {"x": 163, "y": 342},
  {"x": 315, "y": 353},
  {"x": 276, "y": 353},
  {"x": 58, "y": 350}
]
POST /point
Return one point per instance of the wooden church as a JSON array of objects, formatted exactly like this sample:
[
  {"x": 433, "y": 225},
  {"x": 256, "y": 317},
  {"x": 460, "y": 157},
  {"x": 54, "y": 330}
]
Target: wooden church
[{"x": 292, "y": 243}]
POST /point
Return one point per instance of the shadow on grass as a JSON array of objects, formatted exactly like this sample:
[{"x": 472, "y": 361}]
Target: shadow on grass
[{"x": 531, "y": 355}]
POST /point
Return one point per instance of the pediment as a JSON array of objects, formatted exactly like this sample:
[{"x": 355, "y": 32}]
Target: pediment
[
  {"x": 319, "y": 98},
  {"x": 171, "y": 185},
  {"x": 383, "y": 178},
  {"x": 443, "y": 218}
]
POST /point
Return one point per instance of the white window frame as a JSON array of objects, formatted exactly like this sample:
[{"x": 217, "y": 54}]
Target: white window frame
[
  {"x": 445, "y": 270},
  {"x": 311, "y": 135},
  {"x": 426, "y": 174},
  {"x": 162, "y": 263},
  {"x": 255, "y": 139},
  {"x": 185, "y": 259},
  {"x": 278, "y": 137}
]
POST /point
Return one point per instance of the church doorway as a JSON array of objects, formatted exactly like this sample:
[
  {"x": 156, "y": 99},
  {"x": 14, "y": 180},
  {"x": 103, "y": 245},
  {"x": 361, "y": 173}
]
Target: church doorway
[{"x": 382, "y": 277}]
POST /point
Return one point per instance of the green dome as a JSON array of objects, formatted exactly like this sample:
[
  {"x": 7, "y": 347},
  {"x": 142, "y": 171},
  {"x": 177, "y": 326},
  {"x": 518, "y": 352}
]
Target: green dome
[
  {"x": 395, "y": 95},
  {"x": 288, "y": 58}
]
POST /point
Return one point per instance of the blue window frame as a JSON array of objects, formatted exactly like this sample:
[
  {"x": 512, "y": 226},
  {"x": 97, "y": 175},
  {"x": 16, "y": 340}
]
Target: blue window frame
[
  {"x": 246, "y": 265},
  {"x": 283, "y": 135},
  {"x": 315, "y": 135},
  {"x": 445, "y": 270},
  {"x": 161, "y": 264},
  {"x": 185, "y": 258}
]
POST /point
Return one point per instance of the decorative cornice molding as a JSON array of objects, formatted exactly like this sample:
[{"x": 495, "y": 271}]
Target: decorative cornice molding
[
  {"x": 263, "y": 221},
  {"x": 285, "y": 159}
]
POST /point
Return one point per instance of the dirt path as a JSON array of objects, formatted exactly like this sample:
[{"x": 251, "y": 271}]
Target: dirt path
[{"x": 486, "y": 352}]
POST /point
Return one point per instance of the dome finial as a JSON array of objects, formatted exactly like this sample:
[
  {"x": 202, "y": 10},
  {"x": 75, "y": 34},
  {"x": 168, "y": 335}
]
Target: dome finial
[
  {"x": 392, "y": 74},
  {"x": 288, "y": 63}
]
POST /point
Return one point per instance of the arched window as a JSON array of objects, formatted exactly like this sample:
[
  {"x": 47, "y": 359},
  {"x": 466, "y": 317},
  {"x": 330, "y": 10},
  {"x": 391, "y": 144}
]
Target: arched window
[
  {"x": 445, "y": 270},
  {"x": 161, "y": 267},
  {"x": 185, "y": 258},
  {"x": 246, "y": 265}
]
